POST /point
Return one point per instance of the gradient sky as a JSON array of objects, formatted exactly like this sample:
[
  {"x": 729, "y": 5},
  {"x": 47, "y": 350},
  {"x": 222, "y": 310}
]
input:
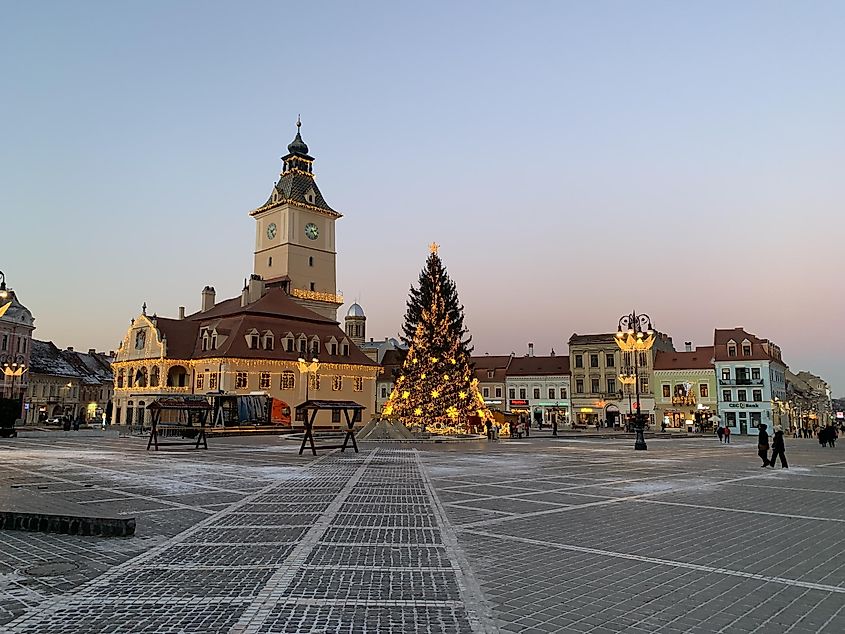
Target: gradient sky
[{"x": 574, "y": 161}]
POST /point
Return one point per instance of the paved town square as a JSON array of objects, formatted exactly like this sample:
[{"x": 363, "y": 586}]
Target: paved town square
[{"x": 537, "y": 535}]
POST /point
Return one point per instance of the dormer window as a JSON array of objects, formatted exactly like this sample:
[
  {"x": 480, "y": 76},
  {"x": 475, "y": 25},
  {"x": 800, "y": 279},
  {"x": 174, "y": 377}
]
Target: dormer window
[
  {"x": 213, "y": 341},
  {"x": 205, "y": 340},
  {"x": 267, "y": 340},
  {"x": 746, "y": 348},
  {"x": 310, "y": 197},
  {"x": 303, "y": 345},
  {"x": 732, "y": 348},
  {"x": 315, "y": 347},
  {"x": 344, "y": 349},
  {"x": 252, "y": 339},
  {"x": 490, "y": 374}
]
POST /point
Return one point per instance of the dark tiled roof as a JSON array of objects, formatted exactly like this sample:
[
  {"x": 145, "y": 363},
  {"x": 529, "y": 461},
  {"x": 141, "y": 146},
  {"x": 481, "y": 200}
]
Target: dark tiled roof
[
  {"x": 275, "y": 302},
  {"x": 292, "y": 187},
  {"x": 391, "y": 363},
  {"x": 581, "y": 340},
  {"x": 484, "y": 364},
  {"x": 538, "y": 366},
  {"x": 699, "y": 359},
  {"x": 275, "y": 311},
  {"x": 46, "y": 358}
]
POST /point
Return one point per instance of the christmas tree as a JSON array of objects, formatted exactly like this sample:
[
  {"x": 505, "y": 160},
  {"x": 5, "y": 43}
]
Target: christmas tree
[{"x": 437, "y": 390}]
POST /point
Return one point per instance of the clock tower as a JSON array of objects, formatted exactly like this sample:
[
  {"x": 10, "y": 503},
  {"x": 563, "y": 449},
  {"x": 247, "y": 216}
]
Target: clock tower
[{"x": 295, "y": 235}]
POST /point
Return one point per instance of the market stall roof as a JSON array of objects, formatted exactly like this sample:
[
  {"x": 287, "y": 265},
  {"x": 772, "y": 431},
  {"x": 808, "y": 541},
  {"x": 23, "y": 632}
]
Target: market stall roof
[{"x": 316, "y": 404}]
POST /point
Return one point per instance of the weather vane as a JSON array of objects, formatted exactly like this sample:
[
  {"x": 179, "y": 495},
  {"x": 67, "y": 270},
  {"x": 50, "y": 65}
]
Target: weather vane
[{"x": 433, "y": 247}]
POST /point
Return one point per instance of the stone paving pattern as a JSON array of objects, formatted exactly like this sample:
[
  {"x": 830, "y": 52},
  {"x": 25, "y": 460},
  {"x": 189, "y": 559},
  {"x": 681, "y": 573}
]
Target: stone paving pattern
[{"x": 539, "y": 535}]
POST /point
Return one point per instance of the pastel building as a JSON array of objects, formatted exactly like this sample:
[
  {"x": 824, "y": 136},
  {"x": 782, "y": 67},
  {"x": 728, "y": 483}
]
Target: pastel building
[
  {"x": 751, "y": 379},
  {"x": 685, "y": 393}
]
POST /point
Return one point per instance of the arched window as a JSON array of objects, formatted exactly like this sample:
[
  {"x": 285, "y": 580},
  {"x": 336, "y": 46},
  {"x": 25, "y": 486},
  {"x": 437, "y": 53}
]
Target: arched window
[
  {"x": 129, "y": 412},
  {"x": 205, "y": 340},
  {"x": 155, "y": 376},
  {"x": 120, "y": 378},
  {"x": 141, "y": 377}
]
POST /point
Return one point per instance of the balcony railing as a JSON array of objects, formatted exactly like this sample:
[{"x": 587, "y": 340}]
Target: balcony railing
[{"x": 741, "y": 382}]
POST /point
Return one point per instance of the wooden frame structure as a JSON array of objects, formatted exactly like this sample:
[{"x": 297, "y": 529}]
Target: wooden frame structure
[
  {"x": 191, "y": 414},
  {"x": 310, "y": 409}
]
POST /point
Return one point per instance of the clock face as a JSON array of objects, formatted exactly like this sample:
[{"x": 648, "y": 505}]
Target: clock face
[
  {"x": 271, "y": 230},
  {"x": 311, "y": 231}
]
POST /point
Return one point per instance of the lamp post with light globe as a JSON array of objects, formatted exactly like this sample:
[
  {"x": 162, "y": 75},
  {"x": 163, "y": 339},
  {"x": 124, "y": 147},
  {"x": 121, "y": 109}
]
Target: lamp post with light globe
[{"x": 635, "y": 334}]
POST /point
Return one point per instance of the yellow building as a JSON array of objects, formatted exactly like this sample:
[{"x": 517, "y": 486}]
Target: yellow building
[{"x": 250, "y": 344}]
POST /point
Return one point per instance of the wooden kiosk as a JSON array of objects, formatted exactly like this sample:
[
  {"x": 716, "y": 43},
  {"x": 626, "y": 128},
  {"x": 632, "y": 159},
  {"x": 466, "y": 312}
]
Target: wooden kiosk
[
  {"x": 310, "y": 409},
  {"x": 183, "y": 417}
]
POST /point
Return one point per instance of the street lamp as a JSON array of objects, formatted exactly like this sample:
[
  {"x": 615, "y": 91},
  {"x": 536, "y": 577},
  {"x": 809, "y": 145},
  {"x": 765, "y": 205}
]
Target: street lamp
[
  {"x": 3, "y": 292},
  {"x": 635, "y": 334},
  {"x": 307, "y": 368},
  {"x": 11, "y": 372}
]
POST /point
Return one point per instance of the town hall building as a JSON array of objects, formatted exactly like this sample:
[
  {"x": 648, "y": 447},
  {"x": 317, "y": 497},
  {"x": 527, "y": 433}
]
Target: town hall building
[{"x": 251, "y": 344}]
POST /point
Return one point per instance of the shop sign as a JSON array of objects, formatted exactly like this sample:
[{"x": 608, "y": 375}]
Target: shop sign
[
  {"x": 840, "y": 414},
  {"x": 744, "y": 405},
  {"x": 586, "y": 410},
  {"x": 551, "y": 404},
  {"x": 519, "y": 401}
]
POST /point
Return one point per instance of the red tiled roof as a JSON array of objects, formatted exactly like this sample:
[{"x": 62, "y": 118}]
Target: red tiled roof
[
  {"x": 699, "y": 359},
  {"x": 760, "y": 348},
  {"x": 538, "y": 366}
]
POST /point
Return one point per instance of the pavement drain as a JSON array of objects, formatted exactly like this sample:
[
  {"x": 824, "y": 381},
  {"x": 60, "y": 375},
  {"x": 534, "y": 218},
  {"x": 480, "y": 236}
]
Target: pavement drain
[{"x": 51, "y": 569}]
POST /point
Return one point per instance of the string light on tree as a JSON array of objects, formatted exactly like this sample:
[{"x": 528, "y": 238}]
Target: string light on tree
[{"x": 438, "y": 392}]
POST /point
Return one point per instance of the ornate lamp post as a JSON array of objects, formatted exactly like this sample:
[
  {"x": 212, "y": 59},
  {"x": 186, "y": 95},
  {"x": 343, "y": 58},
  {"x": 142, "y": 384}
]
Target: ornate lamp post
[{"x": 634, "y": 335}]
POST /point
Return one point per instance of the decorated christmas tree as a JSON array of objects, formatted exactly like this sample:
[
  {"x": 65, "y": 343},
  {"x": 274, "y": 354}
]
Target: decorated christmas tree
[{"x": 437, "y": 390}]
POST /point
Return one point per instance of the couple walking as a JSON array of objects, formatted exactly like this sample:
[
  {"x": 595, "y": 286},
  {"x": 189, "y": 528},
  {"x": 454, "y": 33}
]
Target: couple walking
[{"x": 778, "y": 447}]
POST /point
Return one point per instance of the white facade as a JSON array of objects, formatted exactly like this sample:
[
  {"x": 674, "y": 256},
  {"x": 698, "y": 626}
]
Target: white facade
[{"x": 540, "y": 396}]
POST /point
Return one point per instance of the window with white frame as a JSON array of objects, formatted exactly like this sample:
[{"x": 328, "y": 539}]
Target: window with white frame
[{"x": 287, "y": 381}]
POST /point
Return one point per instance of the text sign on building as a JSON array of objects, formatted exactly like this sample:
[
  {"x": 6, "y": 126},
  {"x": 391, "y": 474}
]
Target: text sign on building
[
  {"x": 744, "y": 405},
  {"x": 519, "y": 401}
]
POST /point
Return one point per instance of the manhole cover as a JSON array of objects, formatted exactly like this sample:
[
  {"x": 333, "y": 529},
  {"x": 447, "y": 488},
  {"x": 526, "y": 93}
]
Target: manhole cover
[{"x": 51, "y": 569}]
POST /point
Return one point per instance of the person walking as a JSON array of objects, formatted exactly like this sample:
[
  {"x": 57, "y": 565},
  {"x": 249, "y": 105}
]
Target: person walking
[
  {"x": 763, "y": 445},
  {"x": 727, "y": 433},
  {"x": 554, "y": 424},
  {"x": 720, "y": 432},
  {"x": 489, "y": 426},
  {"x": 778, "y": 448}
]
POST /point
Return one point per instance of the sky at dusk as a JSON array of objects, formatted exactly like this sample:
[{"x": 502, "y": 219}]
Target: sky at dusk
[{"x": 573, "y": 160}]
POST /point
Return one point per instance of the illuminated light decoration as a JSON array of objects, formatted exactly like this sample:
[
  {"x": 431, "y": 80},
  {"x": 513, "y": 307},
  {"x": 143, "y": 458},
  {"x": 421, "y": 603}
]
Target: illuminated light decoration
[
  {"x": 302, "y": 293},
  {"x": 406, "y": 394},
  {"x": 443, "y": 394}
]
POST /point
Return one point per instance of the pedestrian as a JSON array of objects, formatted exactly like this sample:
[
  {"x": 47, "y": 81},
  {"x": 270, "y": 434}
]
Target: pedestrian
[
  {"x": 823, "y": 437},
  {"x": 727, "y": 434},
  {"x": 832, "y": 434},
  {"x": 527, "y": 426},
  {"x": 778, "y": 448},
  {"x": 554, "y": 424},
  {"x": 720, "y": 432},
  {"x": 489, "y": 425},
  {"x": 763, "y": 445}
]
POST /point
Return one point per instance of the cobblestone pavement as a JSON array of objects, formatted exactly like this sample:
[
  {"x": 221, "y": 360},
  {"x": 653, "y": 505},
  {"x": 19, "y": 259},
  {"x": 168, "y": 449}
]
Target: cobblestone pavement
[{"x": 538, "y": 535}]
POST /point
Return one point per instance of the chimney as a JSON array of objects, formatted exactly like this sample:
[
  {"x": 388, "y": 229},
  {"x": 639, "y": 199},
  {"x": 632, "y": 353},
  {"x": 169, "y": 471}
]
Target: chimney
[
  {"x": 70, "y": 348},
  {"x": 688, "y": 346},
  {"x": 256, "y": 288},
  {"x": 92, "y": 351},
  {"x": 181, "y": 312},
  {"x": 207, "y": 298},
  {"x": 530, "y": 349},
  {"x": 111, "y": 353}
]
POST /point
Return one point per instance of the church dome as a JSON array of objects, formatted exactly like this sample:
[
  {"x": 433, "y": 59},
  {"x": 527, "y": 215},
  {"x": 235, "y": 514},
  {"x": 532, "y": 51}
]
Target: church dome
[{"x": 355, "y": 310}]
